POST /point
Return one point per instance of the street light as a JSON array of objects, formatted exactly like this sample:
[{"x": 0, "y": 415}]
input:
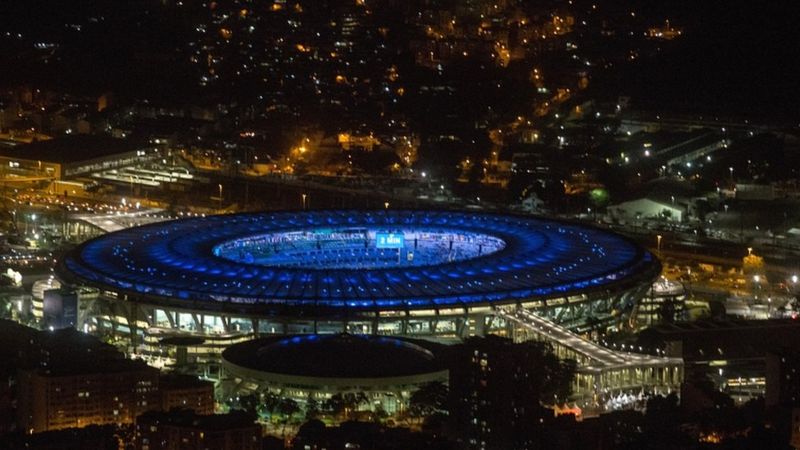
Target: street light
[
  {"x": 385, "y": 205},
  {"x": 304, "y": 201},
  {"x": 749, "y": 251},
  {"x": 220, "y": 195},
  {"x": 658, "y": 243}
]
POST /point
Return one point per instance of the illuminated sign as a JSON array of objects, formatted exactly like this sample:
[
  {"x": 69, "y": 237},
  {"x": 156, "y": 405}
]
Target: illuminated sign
[{"x": 389, "y": 240}]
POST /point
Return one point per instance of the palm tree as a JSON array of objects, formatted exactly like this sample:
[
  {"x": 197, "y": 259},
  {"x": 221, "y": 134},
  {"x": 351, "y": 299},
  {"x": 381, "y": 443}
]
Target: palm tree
[
  {"x": 312, "y": 408},
  {"x": 287, "y": 408},
  {"x": 345, "y": 404},
  {"x": 270, "y": 403}
]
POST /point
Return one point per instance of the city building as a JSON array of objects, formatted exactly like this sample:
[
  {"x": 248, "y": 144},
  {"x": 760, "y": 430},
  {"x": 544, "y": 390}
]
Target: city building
[
  {"x": 70, "y": 156},
  {"x": 81, "y": 394},
  {"x": 316, "y": 367},
  {"x": 782, "y": 378},
  {"x": 93, "y": 437},
  {"x": 412, "y": 273},
  {"x": 186, "y": 430},
  {"x": 13, "y": 353},
  {"x": 644, "y": 208},
  {"x": 665, "y": 302},
  {"x": 186, "y": 392},
  {"x": 63, "y": 379},
  {"x": 736, "y": 353},
  {"x": 60, "y": 308},
  {"x": 37, "y": 295}
]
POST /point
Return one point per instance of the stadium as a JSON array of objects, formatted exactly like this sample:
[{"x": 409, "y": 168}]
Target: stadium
[
  {"x": 319, "y": 366},
  {"x": 409, "y": 273}
]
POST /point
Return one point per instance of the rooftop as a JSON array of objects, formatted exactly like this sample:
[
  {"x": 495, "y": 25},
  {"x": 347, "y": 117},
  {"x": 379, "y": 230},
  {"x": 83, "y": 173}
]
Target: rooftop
[
  {"x": 176, "y": 261},
  {"x": 188, "y": 419},
  {"x": 59, "y": 352},
  {"x": 335, "y": 356},
  {"x": 70, "y": 149}
]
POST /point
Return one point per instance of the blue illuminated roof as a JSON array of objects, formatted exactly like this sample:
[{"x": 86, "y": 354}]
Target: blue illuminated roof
[{"x": 175, "y": 261}]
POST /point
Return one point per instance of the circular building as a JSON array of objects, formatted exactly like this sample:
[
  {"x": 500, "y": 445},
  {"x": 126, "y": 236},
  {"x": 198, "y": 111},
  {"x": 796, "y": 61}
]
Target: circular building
[
  {"x": 373, "y": 372},
  {"x": 390, "y": 272}
]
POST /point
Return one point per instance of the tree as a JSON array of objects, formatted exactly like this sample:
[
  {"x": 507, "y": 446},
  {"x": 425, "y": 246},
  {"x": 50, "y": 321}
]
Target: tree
[
  {"x": 270, "y": 402},
  {"x": 599, "y": 198},
  {"x": 249, "y": 403},
  {"x": 752, "y": 264},
  {"x": 313, "y": 408},
  {"x": 287, "y": 408},
  {"x": 343, "y": 405},
  {"x": 429, "y": 399},
  {"x": 498, "y": 388}
]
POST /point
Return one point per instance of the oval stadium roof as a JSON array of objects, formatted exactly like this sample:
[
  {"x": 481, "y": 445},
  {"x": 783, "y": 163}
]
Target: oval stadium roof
[{"x": 175, "y": 261}]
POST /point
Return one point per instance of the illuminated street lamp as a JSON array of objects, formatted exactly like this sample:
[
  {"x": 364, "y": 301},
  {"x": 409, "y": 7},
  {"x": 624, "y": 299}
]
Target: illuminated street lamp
[
  {"x": 220, "y": 195},
  {"x": 749, "y": 251},
  {"x": 304, "y": 201},
  {"x": 385, "y": 205},
  {"x": 658, "y": 243}
]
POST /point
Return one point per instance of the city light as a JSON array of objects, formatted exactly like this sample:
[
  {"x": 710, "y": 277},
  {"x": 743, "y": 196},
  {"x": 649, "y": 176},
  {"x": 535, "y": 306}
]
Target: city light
[{"x": 526, "y": 155}]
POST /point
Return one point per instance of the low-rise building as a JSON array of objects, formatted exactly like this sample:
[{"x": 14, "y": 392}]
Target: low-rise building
[
  {"x": 317, "y": 367},
  {"x": 186, "y": 392},
  {"x": 645, "y": 208},
  {"x": 71, "y": 156},
  {"x": 186, "y": 430}
]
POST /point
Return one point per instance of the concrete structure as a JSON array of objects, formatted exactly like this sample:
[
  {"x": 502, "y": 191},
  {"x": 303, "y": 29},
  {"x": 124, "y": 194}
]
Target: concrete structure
[
  {"x": 736, "y": 352},
  {"x": 317, "y": 367},
  {"x": 188, "y": 431},
  {"x": 71, "y": 156},
  {"x": 645, "y": 208},
  {"x": 606, "y": 378},
  {"x": 186, "y": 392},
  {"x": 103, "y": 392},
  {"x": 73, "y": 397},
  {"x": 67, "y": 379},
  {"x": 60, "y": 308},
  {"x": 229, "y": 278},
  {"x": 37, "y": 294},
  {"x": 665, "y": 301}
]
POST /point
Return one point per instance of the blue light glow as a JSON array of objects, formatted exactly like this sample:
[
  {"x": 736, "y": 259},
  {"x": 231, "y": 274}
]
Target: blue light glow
[{"x": 184, "y": 259}]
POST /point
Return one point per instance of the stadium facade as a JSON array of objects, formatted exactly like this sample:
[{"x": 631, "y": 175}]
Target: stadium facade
[
  {"x": 319, "y": 366},
  {"x": 444, "y": 274}
]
